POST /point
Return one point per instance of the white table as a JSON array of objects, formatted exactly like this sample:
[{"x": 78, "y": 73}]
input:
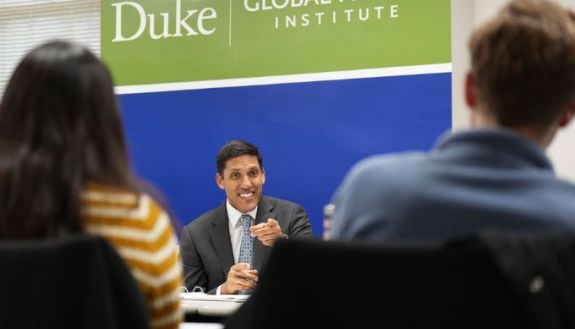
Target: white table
[
  {"x": 209, "y": 308},
  {"x": 211, "y": 305},
  {"x": 200, "y": 325}
]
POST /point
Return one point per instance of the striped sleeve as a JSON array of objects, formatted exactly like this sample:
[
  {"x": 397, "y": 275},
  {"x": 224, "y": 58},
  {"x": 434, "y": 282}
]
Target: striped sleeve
[{"x": 143, "y": 234}]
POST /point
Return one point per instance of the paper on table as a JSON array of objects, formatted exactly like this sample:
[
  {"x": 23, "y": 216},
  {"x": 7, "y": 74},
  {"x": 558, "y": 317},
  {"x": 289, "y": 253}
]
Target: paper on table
[{"x": 204, "y": 296}]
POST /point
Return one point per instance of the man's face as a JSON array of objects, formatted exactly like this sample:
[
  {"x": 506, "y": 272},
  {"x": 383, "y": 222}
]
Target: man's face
[{"x": 242, "y": 180}]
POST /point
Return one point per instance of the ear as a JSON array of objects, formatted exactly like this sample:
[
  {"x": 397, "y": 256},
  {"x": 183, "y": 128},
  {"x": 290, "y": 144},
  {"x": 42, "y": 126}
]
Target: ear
[
  {"x": 470, "y": 97},
  {"x": 567, "y": 116},
  {"x": 263, "y": 176},
  {"x": 220, "y": 181}
]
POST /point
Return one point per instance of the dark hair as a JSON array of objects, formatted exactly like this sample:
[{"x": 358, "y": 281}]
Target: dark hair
[
  {"x": 234, "y": 149},
  {"x": 60, "y": 129},
  {"x": 523, "y": 62}
]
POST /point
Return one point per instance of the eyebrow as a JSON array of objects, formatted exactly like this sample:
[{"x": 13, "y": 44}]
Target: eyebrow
[{"x": 248, "y": 169}]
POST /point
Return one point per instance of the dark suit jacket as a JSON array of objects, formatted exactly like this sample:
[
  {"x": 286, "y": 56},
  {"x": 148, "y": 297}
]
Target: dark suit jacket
[{"x": 206, "y": 248}]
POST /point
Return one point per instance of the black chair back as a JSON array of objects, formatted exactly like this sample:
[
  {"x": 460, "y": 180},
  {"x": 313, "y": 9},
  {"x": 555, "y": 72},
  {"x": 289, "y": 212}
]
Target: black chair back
[
  {"x": 328, "y": 284},
  {"x": 76, "y": 282}
]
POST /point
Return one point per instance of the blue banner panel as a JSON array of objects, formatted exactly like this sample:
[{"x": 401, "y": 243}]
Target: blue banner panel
[{"x": 310, "y": 134}]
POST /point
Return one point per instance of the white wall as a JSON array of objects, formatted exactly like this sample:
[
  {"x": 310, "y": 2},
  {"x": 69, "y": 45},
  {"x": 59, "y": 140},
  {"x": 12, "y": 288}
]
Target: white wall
[
  {"x": 462, "y": 23},
  {"x": 465, "y": 16}
]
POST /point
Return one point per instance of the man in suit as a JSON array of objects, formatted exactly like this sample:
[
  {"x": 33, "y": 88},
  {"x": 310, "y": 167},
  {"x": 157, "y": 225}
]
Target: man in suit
[
  {"x": 495, "y": 176},
  {"x": 211, "y": 244}
]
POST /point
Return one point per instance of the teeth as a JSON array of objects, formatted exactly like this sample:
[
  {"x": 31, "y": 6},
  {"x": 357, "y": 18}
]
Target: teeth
[{"x": 246, "y": 195}]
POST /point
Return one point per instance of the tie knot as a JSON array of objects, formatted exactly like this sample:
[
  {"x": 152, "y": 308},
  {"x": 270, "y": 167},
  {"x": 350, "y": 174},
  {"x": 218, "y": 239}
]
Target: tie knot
[{"x": 246, "y": 220}]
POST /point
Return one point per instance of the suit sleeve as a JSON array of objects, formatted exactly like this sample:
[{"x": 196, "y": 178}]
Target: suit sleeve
[
  {"x": 300, "y": 225},
  {"x": 194, "y": 272}
]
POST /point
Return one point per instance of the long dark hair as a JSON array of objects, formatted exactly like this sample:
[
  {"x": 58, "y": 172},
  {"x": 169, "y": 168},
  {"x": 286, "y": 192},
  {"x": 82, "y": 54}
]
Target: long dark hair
[{"x": 60, "y": 128}]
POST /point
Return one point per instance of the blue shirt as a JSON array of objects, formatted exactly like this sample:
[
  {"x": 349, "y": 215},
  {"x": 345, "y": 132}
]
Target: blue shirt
[{"x": 471, "y": 181}]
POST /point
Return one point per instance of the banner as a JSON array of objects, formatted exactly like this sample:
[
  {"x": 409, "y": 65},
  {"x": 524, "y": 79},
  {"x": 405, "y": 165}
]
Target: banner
[
  {"x": 316, "y": 84},
  {"x": 151, "y": 41}
]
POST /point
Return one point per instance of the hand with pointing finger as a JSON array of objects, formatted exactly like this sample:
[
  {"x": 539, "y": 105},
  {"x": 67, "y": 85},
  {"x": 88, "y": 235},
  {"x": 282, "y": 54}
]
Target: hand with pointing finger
[{"x": 268, "y": 232}]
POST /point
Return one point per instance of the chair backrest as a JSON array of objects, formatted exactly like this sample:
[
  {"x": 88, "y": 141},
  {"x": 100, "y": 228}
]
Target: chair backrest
[
  {"x": 328, "y": 284},
  {"x": 75, "y": 282}
]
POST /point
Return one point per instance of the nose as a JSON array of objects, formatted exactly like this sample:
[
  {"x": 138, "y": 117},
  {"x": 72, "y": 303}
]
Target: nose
[{"x": 246, "y": 182}]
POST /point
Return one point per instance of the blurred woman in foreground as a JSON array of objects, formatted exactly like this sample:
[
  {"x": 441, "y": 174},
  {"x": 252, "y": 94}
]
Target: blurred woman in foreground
[{"x": 64, "y": 169}]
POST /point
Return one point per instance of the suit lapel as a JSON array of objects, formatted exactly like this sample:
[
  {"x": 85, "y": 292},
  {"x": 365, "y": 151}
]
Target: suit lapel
[
  {"x": 265, "y": 211},
  {"x": 220, "y": 237}
]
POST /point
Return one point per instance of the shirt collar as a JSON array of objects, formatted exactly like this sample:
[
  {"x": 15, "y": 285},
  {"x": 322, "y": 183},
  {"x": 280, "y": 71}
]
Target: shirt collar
[
  {"x": 234, "y": 215},
  {"x": 505, "y": 142}
]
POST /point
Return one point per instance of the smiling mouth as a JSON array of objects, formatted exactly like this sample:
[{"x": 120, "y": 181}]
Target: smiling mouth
[{"x": 248, "y": 195}]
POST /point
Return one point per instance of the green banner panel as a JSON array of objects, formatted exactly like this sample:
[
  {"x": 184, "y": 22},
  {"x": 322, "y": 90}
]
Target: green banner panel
[{"x": 163, "y": 41}]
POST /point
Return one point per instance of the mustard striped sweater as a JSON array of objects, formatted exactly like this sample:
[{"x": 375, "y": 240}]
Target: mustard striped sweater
[{"x": 142, "y": 233}]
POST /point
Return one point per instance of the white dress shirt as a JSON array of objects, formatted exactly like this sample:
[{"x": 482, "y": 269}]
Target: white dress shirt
[
  {"x": 236, "y": 227},
  {"x": 236, "y": 230}
]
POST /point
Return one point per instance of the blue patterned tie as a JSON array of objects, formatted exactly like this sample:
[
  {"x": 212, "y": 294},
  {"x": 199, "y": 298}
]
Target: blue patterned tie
[{"x": 246, "y": 246}]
